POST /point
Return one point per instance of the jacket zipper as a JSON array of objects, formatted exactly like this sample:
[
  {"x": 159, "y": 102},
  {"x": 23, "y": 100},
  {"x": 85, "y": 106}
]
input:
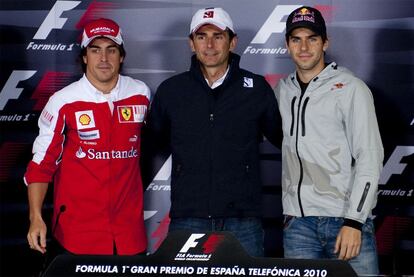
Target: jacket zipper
[
  {"x": 363, "y": 197},
  {"x": 211, "y": 119},
  {"x": 303, "y": 116},
  {"x": 292, "y": 113},
  {"x": 297, "y": 154}
]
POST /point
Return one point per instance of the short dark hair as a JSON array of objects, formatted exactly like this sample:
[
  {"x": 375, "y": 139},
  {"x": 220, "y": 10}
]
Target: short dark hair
[{"x": 82, "y": 53}]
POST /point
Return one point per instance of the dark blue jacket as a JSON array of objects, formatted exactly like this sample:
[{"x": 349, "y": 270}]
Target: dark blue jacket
[{"x": 214, "y": 135}]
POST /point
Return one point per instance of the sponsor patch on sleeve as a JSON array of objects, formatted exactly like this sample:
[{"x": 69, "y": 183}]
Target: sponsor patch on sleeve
[
  {"x": 131, "y": 113},
  {"x": 46, "y": 117}
]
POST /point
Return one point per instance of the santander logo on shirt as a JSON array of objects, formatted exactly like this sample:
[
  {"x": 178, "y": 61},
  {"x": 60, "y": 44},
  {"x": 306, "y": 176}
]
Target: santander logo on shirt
[{"x": 93, "y": 154}]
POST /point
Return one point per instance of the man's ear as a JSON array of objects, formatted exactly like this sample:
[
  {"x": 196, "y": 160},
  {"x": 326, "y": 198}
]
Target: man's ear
[
  {"x": 325, "y": 45},
  {"x": 191, "y": 43},
  {"x": 233, "y": 43}
]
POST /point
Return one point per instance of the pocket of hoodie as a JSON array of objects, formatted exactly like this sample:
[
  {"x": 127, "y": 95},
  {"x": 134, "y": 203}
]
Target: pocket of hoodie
[{"x": 288, "y": 221}]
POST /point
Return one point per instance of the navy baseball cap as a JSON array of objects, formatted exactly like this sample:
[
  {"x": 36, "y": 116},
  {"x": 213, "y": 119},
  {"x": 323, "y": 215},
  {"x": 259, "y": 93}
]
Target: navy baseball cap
[{"x": 306, "y": 17}]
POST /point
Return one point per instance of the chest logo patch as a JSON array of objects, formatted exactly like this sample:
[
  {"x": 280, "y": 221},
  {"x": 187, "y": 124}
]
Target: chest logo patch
[
  {"x": 248, "y": 82},
  {"x": 84, "y": 119},
  {"x": 132, "y": 113},
  {"x": 126, "y": 113},
  {"x": 337, "y": 86},
  {"x": 88, "y": 135}
]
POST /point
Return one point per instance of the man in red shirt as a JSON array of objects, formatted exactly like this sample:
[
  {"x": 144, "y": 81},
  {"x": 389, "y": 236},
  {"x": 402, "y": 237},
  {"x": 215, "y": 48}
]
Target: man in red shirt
[{"x": 89, "y": 147}]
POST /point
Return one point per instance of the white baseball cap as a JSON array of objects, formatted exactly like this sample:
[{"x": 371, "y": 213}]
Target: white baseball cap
[
  {"x": 215, "y": 16},
  {"x": 101, "y": 27}
]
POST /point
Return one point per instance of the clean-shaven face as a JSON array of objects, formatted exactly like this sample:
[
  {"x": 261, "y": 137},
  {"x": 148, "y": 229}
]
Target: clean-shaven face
[
  {"x": 307, "y": 50},
  {"x": 212, "y": 46}
]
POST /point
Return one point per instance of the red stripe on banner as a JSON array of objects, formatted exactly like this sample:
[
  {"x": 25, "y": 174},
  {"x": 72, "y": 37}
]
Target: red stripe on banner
[
  {"x": 389, "y": 233},
  {"x": 10, "y": 153},
  {"x": 161, "y": 232},
  {"x": 326, "y": 11},
  {"x": 94, "y": 11},
  {"x": 50, "y": 83},
  {"x": 273, "y": 79},
  {"x": 212, "y": 242}
]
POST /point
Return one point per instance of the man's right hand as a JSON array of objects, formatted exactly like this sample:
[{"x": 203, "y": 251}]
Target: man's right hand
[
  {"x": 37, "y": 230},
  {"x": 37, "y": 235}
]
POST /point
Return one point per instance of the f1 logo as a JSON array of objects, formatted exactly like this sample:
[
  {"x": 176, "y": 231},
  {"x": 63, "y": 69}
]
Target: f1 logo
[
  {"x": 10, "y": 90},
  {"x": 191, "y": 242},
  {"x": 394, "y": 165},
  {"x": 274, "y": 23},
  {"x": 53, "y": 19}
]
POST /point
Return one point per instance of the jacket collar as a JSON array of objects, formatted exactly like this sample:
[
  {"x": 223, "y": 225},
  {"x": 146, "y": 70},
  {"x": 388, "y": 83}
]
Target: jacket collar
[{"x": 234, "y": 61}]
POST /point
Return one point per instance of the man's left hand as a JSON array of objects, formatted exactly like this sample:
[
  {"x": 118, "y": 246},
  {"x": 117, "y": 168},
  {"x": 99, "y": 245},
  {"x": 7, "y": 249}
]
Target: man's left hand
[{"x": 348, "y": 243}]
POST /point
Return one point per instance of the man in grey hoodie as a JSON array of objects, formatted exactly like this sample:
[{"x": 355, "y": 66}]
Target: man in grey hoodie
[{"x": 331, "y": 153}]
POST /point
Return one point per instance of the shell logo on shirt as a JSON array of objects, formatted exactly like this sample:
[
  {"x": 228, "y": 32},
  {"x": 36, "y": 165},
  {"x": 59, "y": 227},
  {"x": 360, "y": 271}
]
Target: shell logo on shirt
[
  {"x": 132, "y": 113},
  {"x": 85, "y": 119}
]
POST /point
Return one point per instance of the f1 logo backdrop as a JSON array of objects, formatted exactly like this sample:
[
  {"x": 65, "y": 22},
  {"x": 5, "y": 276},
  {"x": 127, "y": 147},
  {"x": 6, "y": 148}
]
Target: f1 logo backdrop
[
  {"x": 39, "y": 47},
  {"x": 53, "y": 19},
  {"x": 10, "y": 89}
]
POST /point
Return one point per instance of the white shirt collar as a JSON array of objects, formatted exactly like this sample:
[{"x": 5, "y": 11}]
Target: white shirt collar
[
  {"x": 219, "y": 81},
  {"x": 114, "y": 92}
]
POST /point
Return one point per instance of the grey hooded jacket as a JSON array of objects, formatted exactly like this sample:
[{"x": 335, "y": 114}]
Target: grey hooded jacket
[{"x": 332, "y": 152}]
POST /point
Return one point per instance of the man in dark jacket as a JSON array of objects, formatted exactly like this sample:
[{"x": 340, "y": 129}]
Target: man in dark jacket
[{"x": 215, "y": 116}]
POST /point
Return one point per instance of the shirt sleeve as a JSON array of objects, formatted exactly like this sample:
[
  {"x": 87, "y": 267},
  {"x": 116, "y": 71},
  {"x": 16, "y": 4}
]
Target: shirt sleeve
[
  {"x": 271, "y": 121},
  {"x": 158, "y": 121},
  {"x": 48, "y": 145},
  {"x": 362, "y": 132}
]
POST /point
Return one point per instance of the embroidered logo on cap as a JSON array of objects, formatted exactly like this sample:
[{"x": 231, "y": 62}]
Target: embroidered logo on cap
[
  {"x": 304, "y": 15},
  {"x": 208, "y": 14}
]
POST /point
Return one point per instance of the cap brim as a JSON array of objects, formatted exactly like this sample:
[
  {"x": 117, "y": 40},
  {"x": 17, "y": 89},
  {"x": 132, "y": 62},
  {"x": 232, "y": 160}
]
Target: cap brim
[
  {"x": 304, "y": 25},
  {"x": 218, "y": 25},
  {"x": 89, "y": 40}
]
